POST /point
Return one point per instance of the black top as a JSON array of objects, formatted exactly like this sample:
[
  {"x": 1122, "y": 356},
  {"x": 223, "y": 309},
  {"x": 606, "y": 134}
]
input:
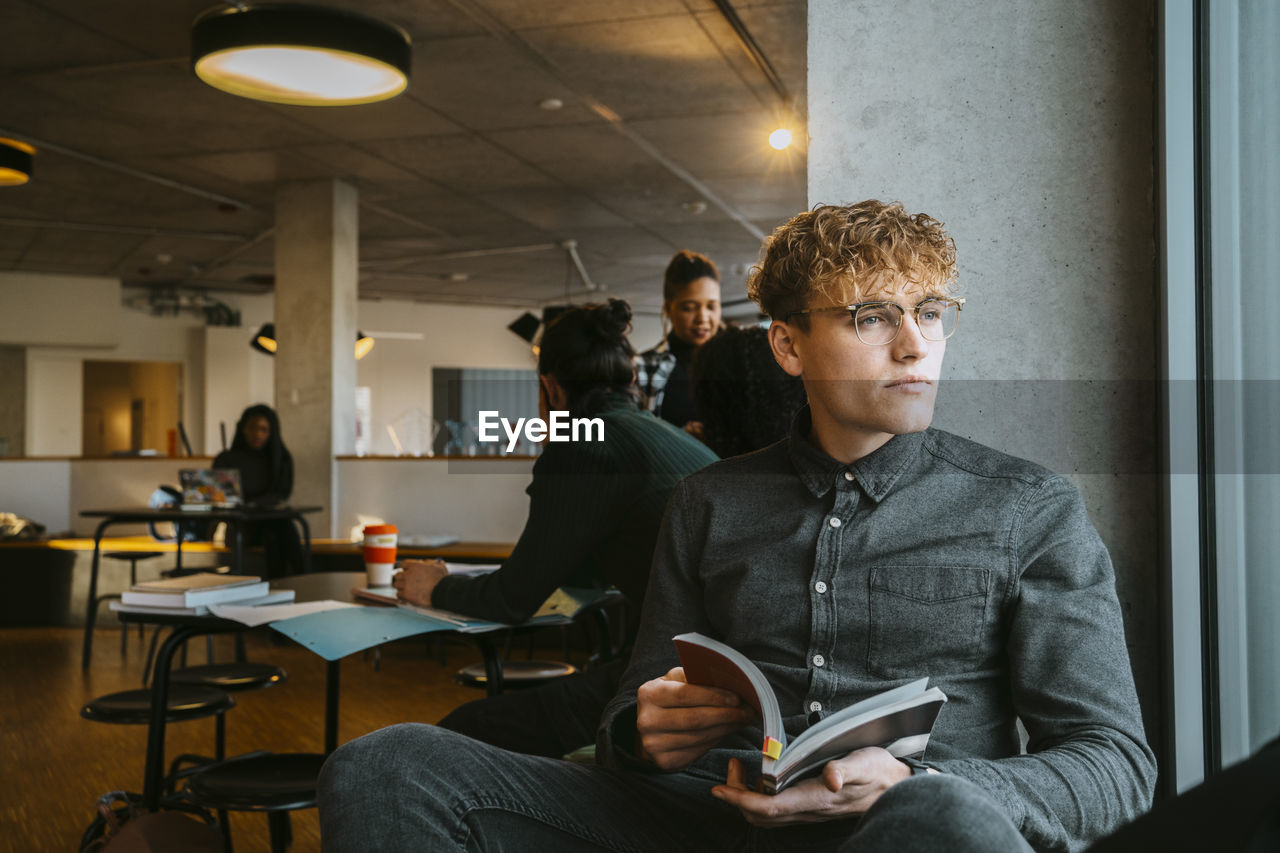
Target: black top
[
  {"x": 677, "y": 401},
  {"x": 258, "y": 483},
  {"x": 594, "y": 512}
]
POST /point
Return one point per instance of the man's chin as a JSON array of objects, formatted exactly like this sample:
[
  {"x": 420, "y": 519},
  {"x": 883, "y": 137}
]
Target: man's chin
[{"x": 909, "y": 419}]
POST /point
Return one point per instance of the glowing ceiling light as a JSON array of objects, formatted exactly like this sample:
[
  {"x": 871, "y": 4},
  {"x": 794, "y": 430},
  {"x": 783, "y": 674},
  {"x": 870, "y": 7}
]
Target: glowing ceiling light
[
  {"x": 780, "y": 138},
  {"x": 300, "y": 55}
]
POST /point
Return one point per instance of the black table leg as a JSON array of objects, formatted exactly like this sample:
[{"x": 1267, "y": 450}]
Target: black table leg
[
  {"x": 331, "y": 684},
  {"x": 91, "y": 617}
]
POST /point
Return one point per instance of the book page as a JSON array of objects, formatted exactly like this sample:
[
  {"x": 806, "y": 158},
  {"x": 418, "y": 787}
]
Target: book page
[{"x": 903, "y": 727}]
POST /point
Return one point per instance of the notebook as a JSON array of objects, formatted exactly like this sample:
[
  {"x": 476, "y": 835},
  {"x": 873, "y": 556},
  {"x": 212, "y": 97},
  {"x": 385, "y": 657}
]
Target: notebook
[{"x": 206, "y": 488}]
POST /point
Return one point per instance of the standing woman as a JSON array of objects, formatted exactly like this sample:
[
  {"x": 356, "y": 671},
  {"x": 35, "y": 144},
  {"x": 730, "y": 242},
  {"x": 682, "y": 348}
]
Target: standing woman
[
  {"x": 691, "y": 305},
  {"x": 266, "y": 479}
]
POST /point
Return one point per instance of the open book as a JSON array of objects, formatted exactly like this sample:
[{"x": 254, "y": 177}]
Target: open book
[{"x": 900, "y": 720}]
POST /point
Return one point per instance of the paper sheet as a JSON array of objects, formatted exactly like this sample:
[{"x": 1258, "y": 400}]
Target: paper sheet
[{"x": 255, "y": 616}]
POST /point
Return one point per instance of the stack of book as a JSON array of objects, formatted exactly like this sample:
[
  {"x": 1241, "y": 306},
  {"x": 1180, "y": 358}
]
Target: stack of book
[{"x": 191, "y": 595}]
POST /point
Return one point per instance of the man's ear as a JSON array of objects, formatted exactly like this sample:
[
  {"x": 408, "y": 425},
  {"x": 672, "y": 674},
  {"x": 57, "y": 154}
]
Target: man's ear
[{"x": 782, "y": 340}]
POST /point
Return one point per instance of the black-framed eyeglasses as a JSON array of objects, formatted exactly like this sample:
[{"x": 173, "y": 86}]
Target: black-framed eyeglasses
[{"x": 877, "y": 323}]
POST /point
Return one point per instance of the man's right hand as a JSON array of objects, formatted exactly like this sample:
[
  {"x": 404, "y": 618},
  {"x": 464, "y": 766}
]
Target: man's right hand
[{"x": 677, "y": 722}]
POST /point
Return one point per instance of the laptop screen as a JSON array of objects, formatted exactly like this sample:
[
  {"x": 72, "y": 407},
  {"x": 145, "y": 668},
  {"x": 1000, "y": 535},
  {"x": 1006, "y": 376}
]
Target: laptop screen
[{"x": 210, "y": 487}]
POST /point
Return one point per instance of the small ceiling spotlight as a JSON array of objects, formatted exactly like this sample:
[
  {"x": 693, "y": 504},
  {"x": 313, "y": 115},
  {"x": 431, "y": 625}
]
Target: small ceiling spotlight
[
  {"x": 550, "y": 104},
  {"x": 16, "y": 162},
  {"x": 780, "y": 138},
  {"x": 364, "y": 343},
  {"x": 300, "y": 55},
  {"x": 265, "y": 341}
]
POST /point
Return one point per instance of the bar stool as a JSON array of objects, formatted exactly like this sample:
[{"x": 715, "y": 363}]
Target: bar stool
[
  {"x": 516, "y": 674},
  {"x": 231, "y": 678},
  {"x": 133, "y": 557},
  {"x": 275, "y": 783},
  {"x": 133, "y": 707}
]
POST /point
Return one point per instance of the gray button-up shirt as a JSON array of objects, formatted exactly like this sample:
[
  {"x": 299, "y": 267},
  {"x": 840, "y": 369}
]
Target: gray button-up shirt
[{"x": 933, "y": 556}]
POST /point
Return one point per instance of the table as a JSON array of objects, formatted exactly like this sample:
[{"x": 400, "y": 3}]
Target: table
[
  {"x": 233, "y": 516},
  {"x": 186, "y": 627},
  {"x": 461, "y": 551},
  {"x": 316, "y": 586}
]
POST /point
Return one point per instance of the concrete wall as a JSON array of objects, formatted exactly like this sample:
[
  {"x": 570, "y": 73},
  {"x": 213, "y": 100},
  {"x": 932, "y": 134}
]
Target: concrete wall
[
  {"x": 1025, "y": 126},
  {"x": 70, "y": 310},
  {"x": 480, "y": 500}
]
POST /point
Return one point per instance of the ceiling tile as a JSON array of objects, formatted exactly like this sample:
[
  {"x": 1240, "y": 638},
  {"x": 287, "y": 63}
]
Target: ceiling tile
[
  {"x": 484, "y": 83},
  {"x": 462, "y": 163},
  {"x": 28, "y": 48},
  {"x": 650, "y": 67}
]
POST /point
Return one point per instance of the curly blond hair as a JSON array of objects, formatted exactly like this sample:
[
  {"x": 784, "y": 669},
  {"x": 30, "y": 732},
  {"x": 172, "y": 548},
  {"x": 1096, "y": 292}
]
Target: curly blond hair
[{"x": 836, "y": 252}]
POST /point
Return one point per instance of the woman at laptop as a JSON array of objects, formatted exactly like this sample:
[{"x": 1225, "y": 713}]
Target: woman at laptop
[
  {"x": 266, "y": 479},
  {"x": 594, "y": 512}
]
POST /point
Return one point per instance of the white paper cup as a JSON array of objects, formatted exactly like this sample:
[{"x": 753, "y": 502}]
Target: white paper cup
[
  {"x": 379, "y": 573},
  {"x": 380, "y": 554}
]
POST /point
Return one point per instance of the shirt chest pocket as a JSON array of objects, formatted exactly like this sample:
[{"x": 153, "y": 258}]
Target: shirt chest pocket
[{"x": 927, "y": 620}]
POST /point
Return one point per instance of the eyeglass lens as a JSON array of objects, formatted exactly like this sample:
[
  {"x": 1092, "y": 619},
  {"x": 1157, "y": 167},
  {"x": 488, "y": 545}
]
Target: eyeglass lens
[{"x": 879, "y": 323}]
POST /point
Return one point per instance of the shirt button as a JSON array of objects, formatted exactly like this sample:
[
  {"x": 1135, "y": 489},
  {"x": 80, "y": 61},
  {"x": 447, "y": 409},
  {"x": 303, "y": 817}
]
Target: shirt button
[
  {"x": 819, "y": 660},
  {"x": 834, "y": 522},
  {"x": 815, "y": 706},
  {"x": 821, "y": 587},
  {"x": 848, "y": 475}
]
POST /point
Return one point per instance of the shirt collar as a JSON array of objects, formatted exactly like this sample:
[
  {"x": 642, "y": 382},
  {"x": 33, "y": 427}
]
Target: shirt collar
[{"x": 875, "y": 473}]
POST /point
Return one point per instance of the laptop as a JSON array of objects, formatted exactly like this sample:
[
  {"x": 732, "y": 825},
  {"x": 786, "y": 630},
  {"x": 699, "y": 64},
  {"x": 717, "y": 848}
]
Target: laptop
[{"x": 210, "y": 488}]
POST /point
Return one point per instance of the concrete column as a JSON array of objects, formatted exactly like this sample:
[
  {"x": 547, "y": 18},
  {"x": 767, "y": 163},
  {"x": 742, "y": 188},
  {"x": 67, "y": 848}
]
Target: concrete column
[
  {"x": 315, "y": 317},
  {"x": 1025, "y": 126}
]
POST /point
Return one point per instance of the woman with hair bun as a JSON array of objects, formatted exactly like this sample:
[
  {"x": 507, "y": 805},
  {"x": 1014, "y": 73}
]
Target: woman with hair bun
[
  {"x": 691, "y": 307},
  {"x": 595, "y": 507}
]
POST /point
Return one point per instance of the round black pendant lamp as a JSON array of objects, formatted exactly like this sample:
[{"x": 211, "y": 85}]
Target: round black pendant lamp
[
  {"x": 17, "y": 159},
  {"x": 300, "y": 55}
]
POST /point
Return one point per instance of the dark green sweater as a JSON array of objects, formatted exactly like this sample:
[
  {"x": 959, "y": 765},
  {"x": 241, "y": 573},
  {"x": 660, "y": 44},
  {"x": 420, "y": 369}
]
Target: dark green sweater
[{"x": 594, "y": 513}]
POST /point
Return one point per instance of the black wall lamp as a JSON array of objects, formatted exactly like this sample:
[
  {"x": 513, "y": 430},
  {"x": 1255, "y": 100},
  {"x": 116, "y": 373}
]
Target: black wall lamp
[
  {"x": 17, "y": 159},
  {"x": 300, "y": 55},
  {"x": 265, "y": 341}
]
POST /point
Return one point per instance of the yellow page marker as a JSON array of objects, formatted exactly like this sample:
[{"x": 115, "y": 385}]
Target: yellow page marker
[{"x": 772, "y": 748}]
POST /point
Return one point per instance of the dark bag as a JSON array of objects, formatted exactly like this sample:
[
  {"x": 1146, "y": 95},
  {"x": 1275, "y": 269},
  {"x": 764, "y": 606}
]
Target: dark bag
[{"x": 123, "y": 826}]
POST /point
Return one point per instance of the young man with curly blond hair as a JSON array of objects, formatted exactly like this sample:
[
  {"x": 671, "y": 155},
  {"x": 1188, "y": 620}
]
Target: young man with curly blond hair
[{"x": 863, "y": 551}]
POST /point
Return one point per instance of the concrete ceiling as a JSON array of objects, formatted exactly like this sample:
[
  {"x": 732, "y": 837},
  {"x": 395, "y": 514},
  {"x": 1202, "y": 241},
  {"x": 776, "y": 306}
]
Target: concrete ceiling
[{"x": 467, "y": 187}]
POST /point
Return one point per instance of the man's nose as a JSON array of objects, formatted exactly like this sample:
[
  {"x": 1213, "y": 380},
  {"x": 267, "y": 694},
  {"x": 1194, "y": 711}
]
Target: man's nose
[{"x": 910, "y": 341}]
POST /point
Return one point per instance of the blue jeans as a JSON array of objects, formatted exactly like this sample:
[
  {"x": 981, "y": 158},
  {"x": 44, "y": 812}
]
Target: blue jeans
[{"x": 417, "y": 787}]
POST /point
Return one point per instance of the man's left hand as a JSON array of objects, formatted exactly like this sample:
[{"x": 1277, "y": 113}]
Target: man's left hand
[
  {"x": 847, "y": 786},
  {"x": 418, "y": 579}
]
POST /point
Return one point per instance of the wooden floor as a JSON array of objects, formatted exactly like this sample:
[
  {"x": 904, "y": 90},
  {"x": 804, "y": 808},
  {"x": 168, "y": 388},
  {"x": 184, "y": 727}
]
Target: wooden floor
[{"x": 54, "y": 765}]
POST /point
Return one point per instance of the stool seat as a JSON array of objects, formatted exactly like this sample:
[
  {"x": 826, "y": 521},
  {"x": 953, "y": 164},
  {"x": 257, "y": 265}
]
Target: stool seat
[
  {"x": 232, "y": 677},
  {"x": 133, "y": 707},
  {"x": 131, "y": 555},
  {"x": 262, "y": 783},
  {"x": 516, "y": 673}
]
